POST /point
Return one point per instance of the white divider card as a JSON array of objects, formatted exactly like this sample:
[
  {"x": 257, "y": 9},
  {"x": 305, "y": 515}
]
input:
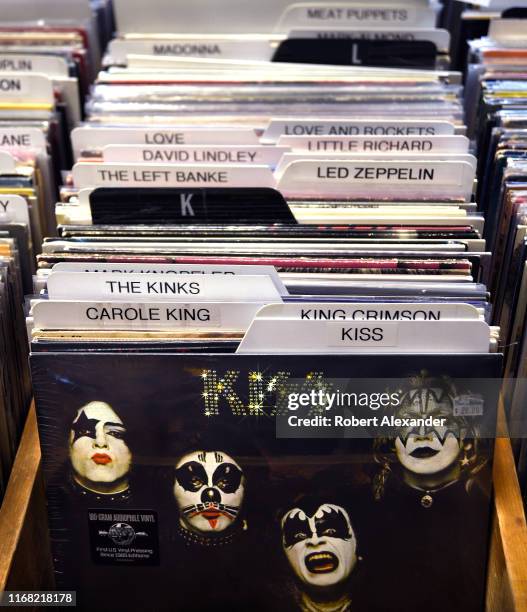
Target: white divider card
[
  {"x": 360, "y": 311},
  {"x": 312, "y": 126},
  {"x": 440, "y": 38},
  {"x": 7, "y": 163},
  {"x": 377, "y": 145},
  {"x": 508, "y": 32},
  {"x": 90, "y": 138},
  {"x": 331, "y": 14},
  {"x": 228, "y": 316},
  {"x": 89, "y": 174},
  {"x": 13, "y": 209},
  {"x": 332, "y": 73},
  {"x": 236, "y": 16},
  {"x": 196, "y": 154},
  {"x": 371, "y": 179},
  {"x": 289, "y": 158},
  {"x": 277, "y": 336},
  {"x": 68, "y": 11},
  {"x": 26, "y": 87},
  {"x": 22, "y": 137},
  {"x": 177, "y": 287},
  {"x": 340, "y": 217},
  {"x": 169, "y": 269},
  {"x": 50, "y": 65},
  {"x": 254, "y": 47}
]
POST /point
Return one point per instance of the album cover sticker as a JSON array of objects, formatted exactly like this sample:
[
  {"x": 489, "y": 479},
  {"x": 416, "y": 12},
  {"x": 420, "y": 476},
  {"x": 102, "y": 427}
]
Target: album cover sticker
[{"x": 118, "y": 537}]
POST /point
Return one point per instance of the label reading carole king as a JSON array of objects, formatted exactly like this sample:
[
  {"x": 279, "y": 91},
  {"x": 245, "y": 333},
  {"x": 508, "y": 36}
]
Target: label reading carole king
[{"x": 124, "y": 537}]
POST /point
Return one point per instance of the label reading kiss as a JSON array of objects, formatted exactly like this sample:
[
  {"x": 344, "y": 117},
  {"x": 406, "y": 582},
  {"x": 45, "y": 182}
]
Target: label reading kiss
[{"x": 124, "y": 537}]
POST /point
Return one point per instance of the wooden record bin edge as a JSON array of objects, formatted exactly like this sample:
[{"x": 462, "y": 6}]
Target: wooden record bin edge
[{"x": 25, "y": 558}]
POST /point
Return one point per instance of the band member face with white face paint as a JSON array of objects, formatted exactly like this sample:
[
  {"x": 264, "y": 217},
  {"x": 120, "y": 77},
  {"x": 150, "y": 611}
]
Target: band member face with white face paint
[
  {"x": 99, "y": 454},
  {"x": 209, "y": 489},
  {"x": 319, "y": 544},
  {"x": 428, "y": 451}
]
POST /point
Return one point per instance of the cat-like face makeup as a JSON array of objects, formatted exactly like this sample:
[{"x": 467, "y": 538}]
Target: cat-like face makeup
[{"x": 209, "y": 488}]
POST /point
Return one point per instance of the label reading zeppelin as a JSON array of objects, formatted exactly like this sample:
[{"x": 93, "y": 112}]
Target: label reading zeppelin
[
  {"x": 376, "y": 174},
  {"x": 123, "y": 537}
]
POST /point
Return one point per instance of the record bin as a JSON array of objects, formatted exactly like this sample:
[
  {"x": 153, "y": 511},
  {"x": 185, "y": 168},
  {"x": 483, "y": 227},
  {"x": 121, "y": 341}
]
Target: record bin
[{"x": 25, "y": 557}]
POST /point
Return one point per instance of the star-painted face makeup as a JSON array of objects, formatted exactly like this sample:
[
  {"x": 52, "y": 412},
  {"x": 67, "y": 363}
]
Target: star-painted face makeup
[
  {"x": 428, "y": 451},
  {"x": 209, "y": 488},
  {"x": 321, "y": 548},
  {"x": 98, "y": 450}
]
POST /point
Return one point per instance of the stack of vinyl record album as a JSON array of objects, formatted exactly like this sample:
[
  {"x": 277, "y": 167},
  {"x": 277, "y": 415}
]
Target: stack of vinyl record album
[
  {"x": 497, "y": 116},
  {"x": 265, "y": 360},
  {"x": 47, "y": 58}
]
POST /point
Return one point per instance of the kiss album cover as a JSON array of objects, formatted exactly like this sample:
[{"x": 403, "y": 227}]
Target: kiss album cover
[{"x": 169, "y": 486}]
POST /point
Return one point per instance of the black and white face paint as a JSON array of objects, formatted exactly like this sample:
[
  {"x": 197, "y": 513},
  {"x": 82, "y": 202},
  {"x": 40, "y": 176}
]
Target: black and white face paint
[
  {"x": 98, "y": 449},
  {"x": 209, "y": 489},
  {"x": 424, "y": 450},
  {"x": 321, "y": 548}
]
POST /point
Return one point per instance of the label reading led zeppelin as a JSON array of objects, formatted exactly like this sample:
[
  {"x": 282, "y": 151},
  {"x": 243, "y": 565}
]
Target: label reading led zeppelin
[
  {"x": 123, "y": 537},
  {"x": 368, "y": 178}
]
